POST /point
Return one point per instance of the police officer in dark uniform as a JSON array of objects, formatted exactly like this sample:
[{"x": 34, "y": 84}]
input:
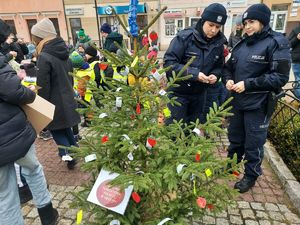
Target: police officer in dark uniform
[
  {"x": 204, "y": 42},
  {"x": 258, "y": 68}
]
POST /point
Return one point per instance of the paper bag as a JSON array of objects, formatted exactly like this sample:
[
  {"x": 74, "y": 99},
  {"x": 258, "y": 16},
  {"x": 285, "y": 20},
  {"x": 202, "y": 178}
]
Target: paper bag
[{"x": 39, "y": 113}]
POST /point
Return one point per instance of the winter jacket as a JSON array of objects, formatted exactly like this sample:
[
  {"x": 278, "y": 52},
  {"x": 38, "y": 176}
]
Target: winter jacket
[
  {"x": 83, "y": 43},
  {"x": 208, "y": 57},
  {"x": 262, "y": 61},
  {"x": 234, "y": 38},
  {"x": 56, "y": 84},
  {"x": 295, "y": 45},
  {"x": 110, "y": 39},
  {"x": 16, "y": 132},
  {"x": 20, "y": 49}
]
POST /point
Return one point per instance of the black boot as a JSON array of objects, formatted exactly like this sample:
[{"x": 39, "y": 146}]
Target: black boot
[
  {"x": 25, "y": 194},
  {"x": 48, "y": 215},
  {"x": 71, "y": 164},
  {"x": 245, "y": 184}
]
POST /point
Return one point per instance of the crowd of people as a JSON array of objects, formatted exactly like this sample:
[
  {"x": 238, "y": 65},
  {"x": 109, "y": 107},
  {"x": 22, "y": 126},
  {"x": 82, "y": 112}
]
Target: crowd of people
[{"x": 255, "y": 70}]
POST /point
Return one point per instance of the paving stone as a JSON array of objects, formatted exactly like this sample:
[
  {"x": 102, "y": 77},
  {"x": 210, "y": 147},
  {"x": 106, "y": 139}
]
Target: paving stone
[
  {"x": 209, "y": 220},
  {"x": 283, "y": 208},
  {"x": 251, "y": 222},
  {"x": 70, "y": 197},
  {"x": 55, "y": 203},
  {"x": 243, "y": 205},
  {"x": 222, "y": 221},
  {"x": 26, "y": 209},
  {"x": 279, "y": 223},
  {"x": 222, "y": 214},
  {"x": 264, "y": 222},
  {"x": 65, "y": 204},
  {"x": 277, "y": 216},
  {"x": 262, "y": 215},
  {"x": 292, "y": 218},
  {"x": 28, "y": 221},
  {"x": 236, "y": 220},
  {"x": 247, "y": 214},
  {"x": 71, "y": 214},
  {"x": 65, "y": 222},
  {"x": 33, "y": 213},
  {"x": 271, "y": 207},
  {"x": 257, "y": 206},
  {"x": 37, "y": 221},
  {"x": 232, "y": 211},
  {"x": 60, "y": 196}
]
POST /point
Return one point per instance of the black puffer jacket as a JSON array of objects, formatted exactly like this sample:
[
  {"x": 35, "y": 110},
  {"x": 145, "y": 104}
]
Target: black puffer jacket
[
  {"x": 295, "y": 45},
  {"x": 16, "y": 132},
  {"x": 55, "y": 82},
  {"x": 208, "y": 55}
]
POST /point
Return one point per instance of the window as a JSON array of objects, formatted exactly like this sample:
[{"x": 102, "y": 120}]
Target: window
[
  {"x": 75, "y": 24},
  {"x": 173, "y": 26},
  {"x": 194, "y": 21},
  {"x": 55, "y": 23},
  {"x": 11, "y": 23},
  {"x": 30, "y": 23}
]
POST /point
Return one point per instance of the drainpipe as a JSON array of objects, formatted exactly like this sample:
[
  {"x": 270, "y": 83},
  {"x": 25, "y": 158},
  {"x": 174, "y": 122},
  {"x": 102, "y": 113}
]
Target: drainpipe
[
  {"x": 63, "y": 2},
  {"x": 97, "y": 19}
]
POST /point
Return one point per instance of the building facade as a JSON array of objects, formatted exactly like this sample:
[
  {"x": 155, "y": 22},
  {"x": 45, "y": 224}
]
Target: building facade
[
  {"x": 22, "y": 15},
  {"x": 285, "y": 14},
  {"x": 84, "y": 13},
  {"x": 181, "y": 14}
]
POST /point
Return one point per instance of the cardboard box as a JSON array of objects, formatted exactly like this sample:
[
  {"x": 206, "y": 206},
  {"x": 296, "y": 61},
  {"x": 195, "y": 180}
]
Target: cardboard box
[{"x": 40, "y": 113}]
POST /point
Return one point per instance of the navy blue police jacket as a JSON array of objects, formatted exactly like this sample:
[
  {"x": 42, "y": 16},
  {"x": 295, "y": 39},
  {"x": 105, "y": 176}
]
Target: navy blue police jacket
[
  {"x": 262, "y": 61},
  {"x": 209, "y": 57}
]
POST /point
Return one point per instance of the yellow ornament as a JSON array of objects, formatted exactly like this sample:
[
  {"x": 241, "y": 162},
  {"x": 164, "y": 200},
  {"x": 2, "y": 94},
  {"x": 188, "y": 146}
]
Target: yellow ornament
[
  {"x": 79, "y": 217},
  {"x": 167, "y": 112},
  {"x": 208, "y": 172},
  {"x": 134, "y": 61}
]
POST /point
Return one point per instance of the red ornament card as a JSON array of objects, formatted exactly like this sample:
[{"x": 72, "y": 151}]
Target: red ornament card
[{"x": 107, "y": 196}]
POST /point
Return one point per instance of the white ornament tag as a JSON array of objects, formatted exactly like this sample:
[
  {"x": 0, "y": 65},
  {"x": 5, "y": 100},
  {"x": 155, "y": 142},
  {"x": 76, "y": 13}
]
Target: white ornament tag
[
  {"x": 119, "y": 102},
  {"x": 130, "y": 156},
  {"x": 67, "y": 158},
  {"x": 157, "y": 76},
  {"x": 103, "y": 115},
  {"x": 197, "y": 131},
  {"x": 90, "y": 158},
  {"x": 115, "y": 222},
  {"x": 118, "y": 89},
  {"x": 180, "y": 167},
  {"x": 164, "y": 221},
  {"x": 162, "y": 92}
]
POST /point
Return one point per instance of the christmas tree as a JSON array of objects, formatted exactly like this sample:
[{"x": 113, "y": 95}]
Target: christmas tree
[{"x": 173, "y": 170}]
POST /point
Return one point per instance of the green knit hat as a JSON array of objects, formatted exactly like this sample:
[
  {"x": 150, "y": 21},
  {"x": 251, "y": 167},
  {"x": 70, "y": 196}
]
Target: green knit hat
[
  {"x": 81, "y": 33},
  {"x": 77, "y": 60}
]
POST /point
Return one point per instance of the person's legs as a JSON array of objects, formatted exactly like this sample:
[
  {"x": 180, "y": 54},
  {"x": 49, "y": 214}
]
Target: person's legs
[
  {"x": 34, "y": 175},
  {"x": 236, "y": 135},
  {"x": 10, "y": 209},
  {"x": 296, "y": 70},
  {"x": 33, "y": 172},
  {"x": 65, "y": 137},
  {"x": 178, "y": 112},
  {"x": 256, "y": 126}
]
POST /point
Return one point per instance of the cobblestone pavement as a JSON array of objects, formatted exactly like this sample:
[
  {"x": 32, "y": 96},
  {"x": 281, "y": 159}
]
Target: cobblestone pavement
[{"x": 265, "y": 204}]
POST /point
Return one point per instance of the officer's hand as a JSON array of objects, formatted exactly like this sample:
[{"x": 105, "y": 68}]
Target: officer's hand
[
  {"x": 203, "y": 78},
  {"x": 13, "y": 53},
  {"x": 239, "y": 87},
  {"x": 229, "y": 85},
  {"x": 212, "y": 78},
  {"x": 298, "y": 36}
]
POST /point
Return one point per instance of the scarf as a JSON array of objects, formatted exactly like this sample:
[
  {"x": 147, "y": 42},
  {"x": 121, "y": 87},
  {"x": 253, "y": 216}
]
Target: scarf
[{"x": 42, "y": 43}]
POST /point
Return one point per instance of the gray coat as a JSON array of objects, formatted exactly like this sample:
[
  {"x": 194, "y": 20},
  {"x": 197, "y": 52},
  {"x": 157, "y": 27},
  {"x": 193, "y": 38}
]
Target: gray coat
[
  {"x": 56, "y": 85},
  {"x": 16, "y": 132}
]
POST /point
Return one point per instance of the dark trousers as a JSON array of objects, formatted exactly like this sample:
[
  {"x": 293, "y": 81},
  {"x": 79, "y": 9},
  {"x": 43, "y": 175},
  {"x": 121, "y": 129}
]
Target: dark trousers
[
  {"x": 63, "y": 137},
  {"x": 247, "y": 134},
  {"x": 215, "y": 93},
  {"x": 190, "y": 110}
]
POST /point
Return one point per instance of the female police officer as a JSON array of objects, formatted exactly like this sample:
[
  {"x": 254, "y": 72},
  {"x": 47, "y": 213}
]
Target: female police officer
[
  {"x": 259, "y": 65},
  {"x": 204, "y": 42}
]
